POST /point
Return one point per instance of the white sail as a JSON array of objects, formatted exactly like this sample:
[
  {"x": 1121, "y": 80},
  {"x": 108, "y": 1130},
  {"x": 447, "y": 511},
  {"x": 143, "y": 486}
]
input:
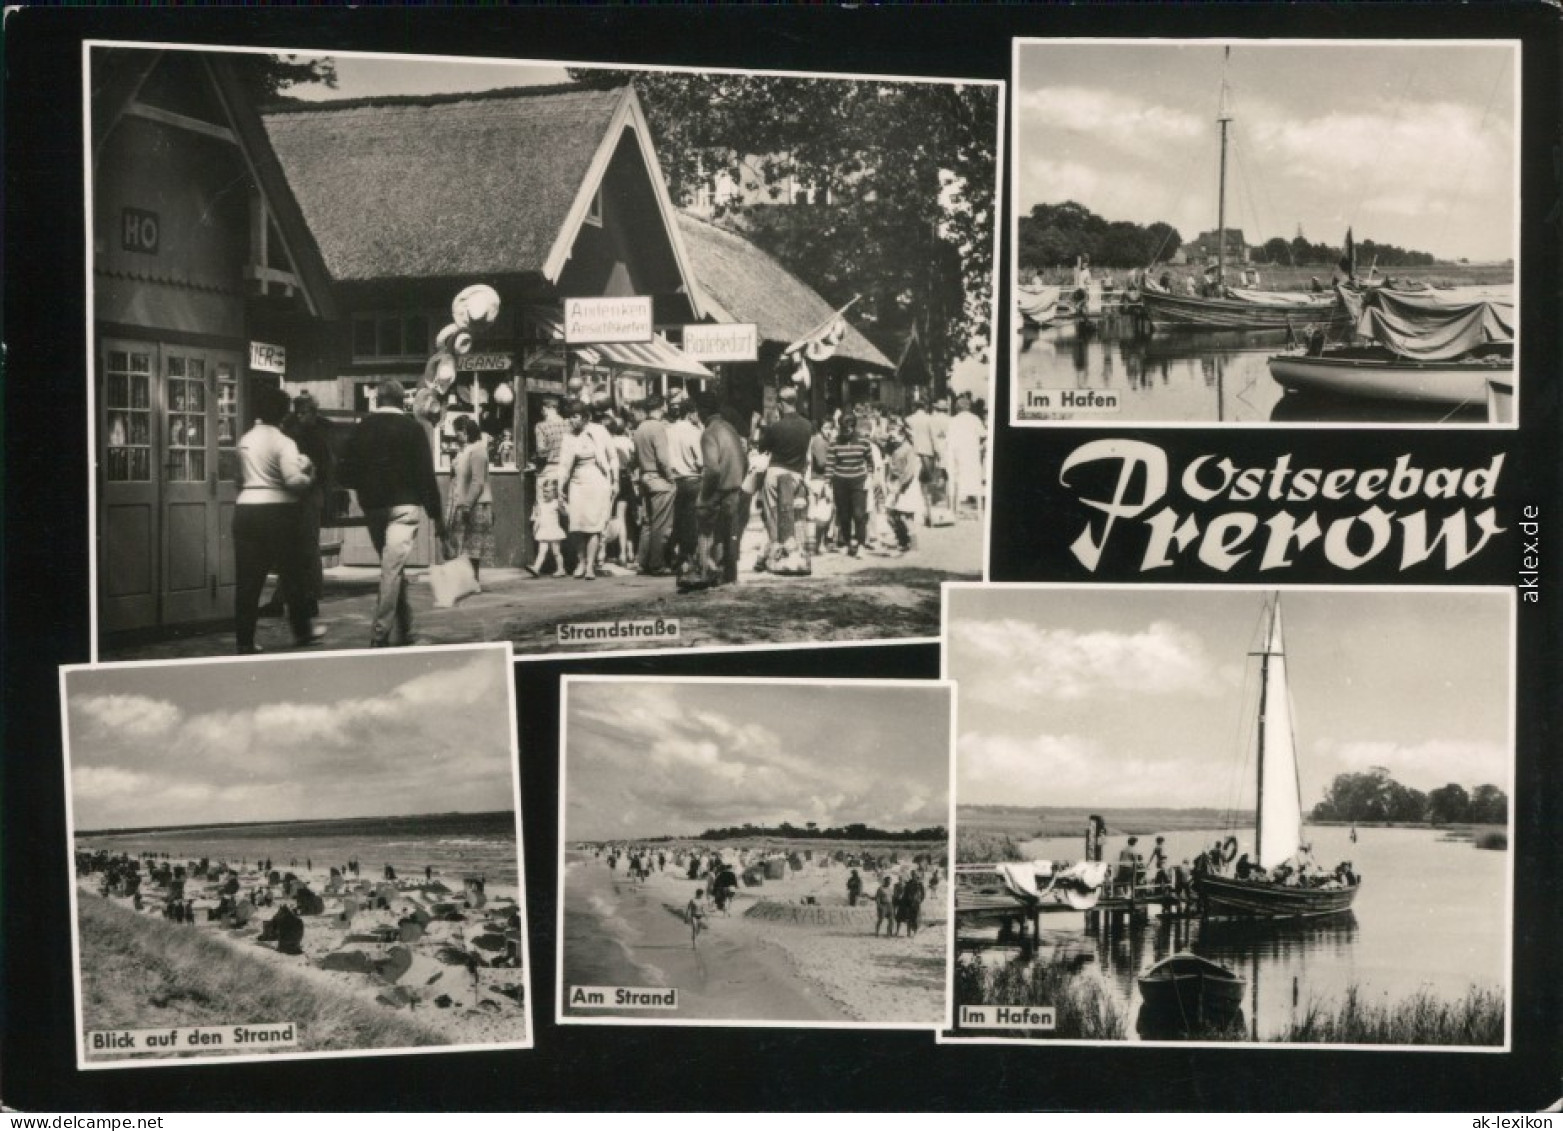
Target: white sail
[{"x": 1280, "y": 806}]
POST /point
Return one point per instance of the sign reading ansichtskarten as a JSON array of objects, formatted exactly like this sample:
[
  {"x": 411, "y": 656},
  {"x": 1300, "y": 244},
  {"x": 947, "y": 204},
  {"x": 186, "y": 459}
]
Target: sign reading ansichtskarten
[{"x": 591, "y": 321}]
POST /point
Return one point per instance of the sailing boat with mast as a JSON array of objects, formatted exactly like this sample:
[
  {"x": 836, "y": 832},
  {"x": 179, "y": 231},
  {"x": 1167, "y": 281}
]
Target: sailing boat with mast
[
  {"x": 1224, "y": 307},
  {"x": 1281, "y": 881}
]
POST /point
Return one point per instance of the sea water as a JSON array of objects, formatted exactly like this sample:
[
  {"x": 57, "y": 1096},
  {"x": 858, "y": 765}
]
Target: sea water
[
  {"x": 1432, "y": 914},
  {"x": 453, "y": 844},
  {"x": 1192, "y": 377},
  {"x": 599, "y": 929}
]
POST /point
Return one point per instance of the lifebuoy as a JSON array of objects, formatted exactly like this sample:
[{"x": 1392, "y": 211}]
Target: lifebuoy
[{"x": 1229, "y": 850}]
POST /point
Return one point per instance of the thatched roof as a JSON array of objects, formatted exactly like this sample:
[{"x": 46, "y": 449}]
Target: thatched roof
[
  {"x": 452, "y": 186},
  {"x": 751, "y": 286}
]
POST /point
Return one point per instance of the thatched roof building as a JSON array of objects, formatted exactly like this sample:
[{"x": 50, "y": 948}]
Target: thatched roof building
[
  {"x": 742, "y": 283},
  {"x": 491, "y": 185}
]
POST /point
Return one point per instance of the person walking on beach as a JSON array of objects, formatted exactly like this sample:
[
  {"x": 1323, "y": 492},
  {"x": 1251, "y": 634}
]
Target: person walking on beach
[
  {"x": 389, "y": 463},
  {"x": 884, "y": 907},
  {"x": 910, "y": 908},
  {"x": 854, "y": 888},
  {"x": 696, "y": 914}
]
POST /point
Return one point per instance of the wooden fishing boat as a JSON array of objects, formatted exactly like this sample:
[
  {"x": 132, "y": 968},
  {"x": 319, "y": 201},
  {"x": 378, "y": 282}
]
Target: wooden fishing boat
[
  {"x": 1381, "y": 375},
  {"x": 1239, "y": 310},
  {"x": 1277, "y": 884},
  {"x": 1500, "y": 399},
  {"x": 1424, "y": 346},
  {"x": 1231, "y": 308},
  {"x": 1192, "y": 991}
]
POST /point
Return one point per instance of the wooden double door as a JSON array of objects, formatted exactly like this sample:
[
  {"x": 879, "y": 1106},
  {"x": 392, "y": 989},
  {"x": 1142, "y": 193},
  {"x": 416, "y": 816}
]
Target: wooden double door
[{"x": 168, "y": 421}]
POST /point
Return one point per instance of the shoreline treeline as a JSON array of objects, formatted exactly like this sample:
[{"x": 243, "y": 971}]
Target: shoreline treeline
[
  {"x": 1054, "y": 234},
  {"x": 1375, "y": 796},
  {"x": 812, "y": 831}
]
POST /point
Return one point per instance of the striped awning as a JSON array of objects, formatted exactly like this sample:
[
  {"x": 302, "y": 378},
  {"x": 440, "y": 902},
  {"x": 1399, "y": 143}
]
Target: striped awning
[{"x": 656, "y": 356}]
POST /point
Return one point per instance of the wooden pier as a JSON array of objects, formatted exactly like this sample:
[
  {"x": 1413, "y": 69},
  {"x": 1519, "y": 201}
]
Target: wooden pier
[{"x": 983, "y": 898}]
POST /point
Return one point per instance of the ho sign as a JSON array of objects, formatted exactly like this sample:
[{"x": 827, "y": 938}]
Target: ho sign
[{"x": 140, "y": 230}]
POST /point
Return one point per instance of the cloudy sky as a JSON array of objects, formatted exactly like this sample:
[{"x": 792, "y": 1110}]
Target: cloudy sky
[
  {"x": 676, "y": 758},
  {"x": 1408, "y": 144},
  {"x": 365, "y": 76},
  {"x": 1140, "y": 697},
  {"x": 366, "y": 735}
]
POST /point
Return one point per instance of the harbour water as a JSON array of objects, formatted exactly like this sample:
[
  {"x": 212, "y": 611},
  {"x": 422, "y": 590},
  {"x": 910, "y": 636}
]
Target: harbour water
[
  {"x": 452, "y": 843},
  {"x": 1188, "y": 377},
  {"x": 1432, "y": 915}
]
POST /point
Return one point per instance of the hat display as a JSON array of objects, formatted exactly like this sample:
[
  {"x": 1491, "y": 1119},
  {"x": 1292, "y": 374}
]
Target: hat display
[
  {"x": 455, "y": 340},
  {"x": 475, "y": 308}
]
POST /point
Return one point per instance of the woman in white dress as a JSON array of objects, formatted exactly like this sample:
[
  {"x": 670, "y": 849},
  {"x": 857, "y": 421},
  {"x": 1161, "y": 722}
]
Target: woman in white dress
[
  {"x": 585, "y": 465},
  {"x": 963, "y": 444}
]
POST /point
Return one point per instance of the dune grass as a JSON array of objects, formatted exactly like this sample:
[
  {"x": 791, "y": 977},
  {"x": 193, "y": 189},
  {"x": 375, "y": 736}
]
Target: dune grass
[
  {"x": 140, "y": 972},
  {"x": 1082, "y": 1007},
  {"x": 983, "y": 847},
  {"x": 1421, "y": 1019}
]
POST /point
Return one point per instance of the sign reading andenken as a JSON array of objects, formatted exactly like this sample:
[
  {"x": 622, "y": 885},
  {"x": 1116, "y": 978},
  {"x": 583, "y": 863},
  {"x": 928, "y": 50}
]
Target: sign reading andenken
[
  {"x": 725, "y": 341},
  {"x": 591, "y": 321}
]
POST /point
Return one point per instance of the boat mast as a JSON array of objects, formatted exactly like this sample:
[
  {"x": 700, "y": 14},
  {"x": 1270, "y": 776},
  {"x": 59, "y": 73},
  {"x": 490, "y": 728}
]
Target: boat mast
[
  {"x": 1223, "y": 118},
  {"x": 1264, "y": 689}
]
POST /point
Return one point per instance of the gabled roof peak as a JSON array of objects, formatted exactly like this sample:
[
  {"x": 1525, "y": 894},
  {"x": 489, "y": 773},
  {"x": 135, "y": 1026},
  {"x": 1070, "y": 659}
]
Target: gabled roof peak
[{"x": 385, "y": 101}]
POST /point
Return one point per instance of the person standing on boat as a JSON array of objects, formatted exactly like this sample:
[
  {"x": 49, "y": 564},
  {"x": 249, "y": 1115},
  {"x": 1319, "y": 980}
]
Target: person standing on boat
[
  {"x": 1128, "y": 862},
  {"x": 1159, "y": 860}
]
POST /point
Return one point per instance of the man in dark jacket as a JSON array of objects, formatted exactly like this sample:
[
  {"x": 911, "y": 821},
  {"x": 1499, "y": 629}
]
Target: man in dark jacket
[
  {"x": 787, "y": 439},
  {"x": 721, "y": 482},
  {"x": 390, "y": 464}
]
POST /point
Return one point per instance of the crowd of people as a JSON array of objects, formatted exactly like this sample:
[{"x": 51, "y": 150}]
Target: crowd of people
[
  {"x": 663, "y": 487},
  {"x": 1222, "y": 858},
  {"x": 897, "y": 898}
]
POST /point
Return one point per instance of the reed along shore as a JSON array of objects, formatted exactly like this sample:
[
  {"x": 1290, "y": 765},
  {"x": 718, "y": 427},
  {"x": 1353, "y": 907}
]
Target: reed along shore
[{"x": 140, "y": 972}]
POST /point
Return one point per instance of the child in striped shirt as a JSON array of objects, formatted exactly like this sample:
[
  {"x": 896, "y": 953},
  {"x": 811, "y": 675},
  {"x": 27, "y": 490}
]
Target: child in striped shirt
[{"x": 847, "y": 465}]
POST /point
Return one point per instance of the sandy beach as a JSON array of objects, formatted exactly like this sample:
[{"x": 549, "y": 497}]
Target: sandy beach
[
  {"x": 790, "y": 950},
  {"x": 429, "y": 950}
]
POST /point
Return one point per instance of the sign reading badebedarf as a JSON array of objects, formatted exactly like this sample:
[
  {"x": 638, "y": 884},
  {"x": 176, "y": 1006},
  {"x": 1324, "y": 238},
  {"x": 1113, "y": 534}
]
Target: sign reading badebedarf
[
  {"x": 591, "y": 321},
  {"x": 724, "y": 341},
  {"x": 267, "y": 358}
]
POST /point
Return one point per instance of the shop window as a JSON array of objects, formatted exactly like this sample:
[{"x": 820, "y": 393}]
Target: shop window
[
  {"x": 128, "y": 403},
  {"x": 227, "y": 422},
  {"x": 186, "y": 417},
  {"x": 489, "y": 399},
  {"x": 391, "y": 337}
]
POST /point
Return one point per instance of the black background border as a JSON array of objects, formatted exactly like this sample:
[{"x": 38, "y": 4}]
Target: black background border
[{"x": 47, "y": 603}]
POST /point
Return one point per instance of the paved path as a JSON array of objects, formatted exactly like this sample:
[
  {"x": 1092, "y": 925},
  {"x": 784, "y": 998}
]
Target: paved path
[{"x": 871, "y": 597}]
